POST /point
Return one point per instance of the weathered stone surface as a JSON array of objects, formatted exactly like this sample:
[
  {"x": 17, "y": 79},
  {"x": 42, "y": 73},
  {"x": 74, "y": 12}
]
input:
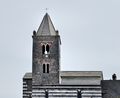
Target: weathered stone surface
[
  {"x": 81, "y": 77},
  {"x": 52, "y": 59},
  {"x": 66, "y": 91},
  {"x": 110, "y": 88},
  {"x": 77, "y": 77},
  {"x": 27, "y": 86}
]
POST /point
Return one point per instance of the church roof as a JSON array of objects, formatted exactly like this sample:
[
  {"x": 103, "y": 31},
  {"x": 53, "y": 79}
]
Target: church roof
[
  {"x": 28, "y": 76},
  {"x": 81, "y": 73},
  {"x": 46, "y": 27},
  {"x": 77, "y": 77},
  {"x": 74, "y": 74},
  {"x": 81, "y": 77}
]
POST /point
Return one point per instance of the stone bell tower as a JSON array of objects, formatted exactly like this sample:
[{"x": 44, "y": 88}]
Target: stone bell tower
[{"x": 46, "y": 54}]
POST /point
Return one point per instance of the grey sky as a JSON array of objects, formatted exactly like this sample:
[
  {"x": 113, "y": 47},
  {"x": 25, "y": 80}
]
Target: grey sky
[{"x": 89, "y": 29}]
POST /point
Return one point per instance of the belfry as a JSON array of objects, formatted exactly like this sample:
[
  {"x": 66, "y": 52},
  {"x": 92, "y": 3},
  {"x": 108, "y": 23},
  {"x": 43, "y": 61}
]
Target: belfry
[
  {"x": 46, "y": 79},
  {"x": 46, "y": 54}
]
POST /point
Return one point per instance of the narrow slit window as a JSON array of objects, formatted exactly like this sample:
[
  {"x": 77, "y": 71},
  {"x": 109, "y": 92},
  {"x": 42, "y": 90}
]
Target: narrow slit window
[
  {"x": 43, "y": 68},
  {"x": 43, "y": 49},
  {"x": 47, "y": 68},
  {"x": 47, "y": 48}
]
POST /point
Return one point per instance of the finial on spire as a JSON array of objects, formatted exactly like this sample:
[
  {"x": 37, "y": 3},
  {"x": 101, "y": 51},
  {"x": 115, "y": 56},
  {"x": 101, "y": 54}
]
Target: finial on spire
[{"x": 46, "y": 10}]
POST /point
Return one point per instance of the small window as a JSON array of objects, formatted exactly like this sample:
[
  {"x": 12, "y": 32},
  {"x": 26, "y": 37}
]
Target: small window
[
  {"x": 47, "y": 48},
  {"x": 43, "y": 68},
  {"x": 47, "y": 68},
  {"x": 43, "y": 49}
]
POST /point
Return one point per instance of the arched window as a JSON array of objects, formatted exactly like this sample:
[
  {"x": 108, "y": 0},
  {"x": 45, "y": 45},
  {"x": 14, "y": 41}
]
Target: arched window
[
  {"x": 43, "y": 68},
  {"x": 47, "y": 48},
  {"x": 47, "y": 68},
  {"x": 43, "y": 49}
]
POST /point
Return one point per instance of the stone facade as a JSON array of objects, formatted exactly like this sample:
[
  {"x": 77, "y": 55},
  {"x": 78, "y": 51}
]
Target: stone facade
[
  {"x": 110, "y": 88},
  {"x": 65, "y": 90},
  {"x": 51, "y": 58},
  {"x": 47, "y": 80},
  {"x": 27, "y": 85}
]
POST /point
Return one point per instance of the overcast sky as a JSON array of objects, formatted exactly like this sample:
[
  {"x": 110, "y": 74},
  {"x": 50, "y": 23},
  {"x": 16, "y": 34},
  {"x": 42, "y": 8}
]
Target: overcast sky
[{"x": 89, "y": 29}]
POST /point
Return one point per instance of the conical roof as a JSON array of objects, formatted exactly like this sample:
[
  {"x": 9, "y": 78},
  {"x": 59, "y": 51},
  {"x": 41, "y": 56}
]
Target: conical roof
[{"x": 46, "y": 27}]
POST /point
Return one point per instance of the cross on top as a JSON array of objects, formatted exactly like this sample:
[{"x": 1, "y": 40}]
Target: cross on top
[{"x": 46, "y": 9}]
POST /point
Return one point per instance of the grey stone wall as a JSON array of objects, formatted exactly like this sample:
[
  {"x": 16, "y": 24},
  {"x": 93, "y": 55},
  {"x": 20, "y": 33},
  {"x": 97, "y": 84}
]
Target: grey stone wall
[
  {"x": 58, "y": 91},
  {"x": 110, "y": 88},
  {"x": 27, "y": 88},
  {"x": 66, "y": 91},
  {"x": 52, "y": 58}
]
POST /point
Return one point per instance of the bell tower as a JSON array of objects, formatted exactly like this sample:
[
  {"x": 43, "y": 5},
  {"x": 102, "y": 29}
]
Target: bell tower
[{"x": 46, "y": 54}]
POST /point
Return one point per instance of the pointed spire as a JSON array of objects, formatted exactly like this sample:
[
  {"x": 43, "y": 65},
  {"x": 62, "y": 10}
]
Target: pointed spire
[{"x": 46, "y": 27}]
